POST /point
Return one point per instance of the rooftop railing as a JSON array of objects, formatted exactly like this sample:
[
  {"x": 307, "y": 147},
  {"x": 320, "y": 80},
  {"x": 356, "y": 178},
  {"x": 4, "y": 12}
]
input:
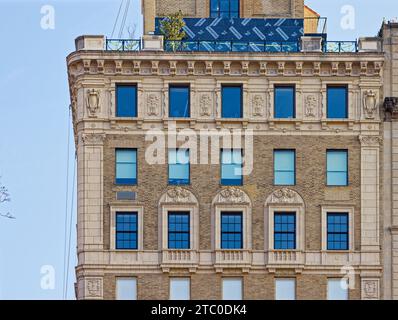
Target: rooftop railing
[{"x": 131, "y": 45}]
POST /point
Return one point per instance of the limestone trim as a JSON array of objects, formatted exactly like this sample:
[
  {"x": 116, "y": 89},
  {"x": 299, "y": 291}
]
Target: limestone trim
[
  {"x": 284, "y": 200},
  {"x": 232, "y": 199},
  {"x": 351, "y": 232},
  {"x": 93, "y": 288},
  {"x": 140, "y": 227},
  {"x": 178, "y": 199},
  {"x": 370, "y": 288}
]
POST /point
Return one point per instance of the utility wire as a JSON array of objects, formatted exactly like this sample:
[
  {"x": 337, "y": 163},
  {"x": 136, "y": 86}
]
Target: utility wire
[
  {"x": 126, "y": 10},
  {"x": 70, "y": 225},
  {"x": 66, "y": 203},
  {"x": 117, "y": 18}
]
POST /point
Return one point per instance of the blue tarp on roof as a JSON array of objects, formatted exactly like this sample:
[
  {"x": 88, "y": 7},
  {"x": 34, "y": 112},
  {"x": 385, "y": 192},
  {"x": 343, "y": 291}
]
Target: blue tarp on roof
[{"x": 239, "y": 29}]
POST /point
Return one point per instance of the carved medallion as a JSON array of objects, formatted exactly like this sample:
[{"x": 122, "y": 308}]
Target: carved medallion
[
  {"x": 94, "y": 287},
  {"x": 258, "y": 106},
  {"x": 93, "y": 102},
  {"x": 153, "y": 104},
  {"x": 370, "y": 289},
  {"x": 310, "y": 105},
  {"x": 205, "y": 105},
  {"x": 370, "y": 104}
]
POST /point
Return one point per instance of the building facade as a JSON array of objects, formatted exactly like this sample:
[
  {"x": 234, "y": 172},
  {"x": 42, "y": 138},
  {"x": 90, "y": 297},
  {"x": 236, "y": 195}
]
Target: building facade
[{"x": 235, "y": 169}]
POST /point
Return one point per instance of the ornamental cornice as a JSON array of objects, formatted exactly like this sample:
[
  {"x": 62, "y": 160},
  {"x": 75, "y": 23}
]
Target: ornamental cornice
[{"x": 231, "y": 65}]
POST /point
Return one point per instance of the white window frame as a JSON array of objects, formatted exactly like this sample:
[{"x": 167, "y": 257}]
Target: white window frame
[
  {"x": 338, "y": 209},
  {"x": 127, "y": 278},
  {"x": 246, "y": 224},
  {"x": 140, "y": 226},
  {"x": 300, "y": 230},
  {"x": 179, "y": 279},
  {"x": 193, "y": 225}
]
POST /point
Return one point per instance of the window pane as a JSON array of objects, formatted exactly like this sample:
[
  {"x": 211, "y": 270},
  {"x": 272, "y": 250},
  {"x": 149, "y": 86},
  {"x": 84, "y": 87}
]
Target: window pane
[
  {"x": 285, "y": 289},
  {"x": 234, "y": 5},
  {"x": 337, "y": 231},
  {"x": 179, "y": 230},
  {"x": 337, "y": 168},
  {"x": 337, "y": 102},
  {"x": 284, "y": 164},
  {"x": 214, "y": 5},
  {"x": 284, "y": 102},
  {"x": 224, "y": 5},
  {"x": 337, "y": 289},
  {"x": 284, "y": 231},
  {"x": 232, "y": 289},
  {"x": 179, "y": 102},
  {"x": 126, "y": 101},
  {"x": 231, "y": 167},
  {"x": 126, "y": 166},
  {"x": 126, "y": 230},
  {"x": 284, "y": 178},
  {"x": 179, "y": 167},
  {"x": 126, "y": 289},
  {"x": 231, "y": 102},
  {"x": 179, "y": 289},
  {"x": 231, "y": 231}
]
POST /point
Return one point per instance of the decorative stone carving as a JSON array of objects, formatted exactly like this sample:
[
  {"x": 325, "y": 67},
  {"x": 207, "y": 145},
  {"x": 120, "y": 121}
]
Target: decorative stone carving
[
  {"x": 258, "y": 105},
  {"x": 370, "y": 289},
  {"x": 94, "y": 287},
  {"x": 93, "y": 102},
  {"x": 370, "y": 103},
  {"x": 153, "y": 105},
  {"x": 93, "y": 138},
  {"x": 178, "y": 194},
  {"x": 311, "y": 103},
  {"x": 205, "y": 105},
  {"x": 285, "y": 196},
  {"x": 370, "y": 141},
  {"x": 233, "y": 195}
]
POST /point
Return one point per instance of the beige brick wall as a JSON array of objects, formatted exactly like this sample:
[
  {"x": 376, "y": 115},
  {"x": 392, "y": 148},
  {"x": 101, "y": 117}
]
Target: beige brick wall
[
  {"x": 205, "y": 182},
  {"x": 208, "y": 286}
]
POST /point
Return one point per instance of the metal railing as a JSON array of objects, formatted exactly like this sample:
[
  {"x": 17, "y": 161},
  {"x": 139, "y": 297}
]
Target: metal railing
[
  {"x": 123, "y": 45},
  {"x": 230, "y": 46},
  {"x": 129, "y": 45},
  {"x": 340, "y": 46}
]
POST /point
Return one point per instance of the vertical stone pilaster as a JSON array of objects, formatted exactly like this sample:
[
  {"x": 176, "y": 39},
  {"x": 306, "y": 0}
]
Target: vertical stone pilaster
[
  {"x": 90, "y": 192},
  {"x": 370, "y": 183},
  {"x": 394, "y": 218}
]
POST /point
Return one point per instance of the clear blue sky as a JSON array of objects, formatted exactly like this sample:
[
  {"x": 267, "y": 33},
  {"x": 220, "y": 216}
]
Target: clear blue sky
[{"x": 34, "y": 101}]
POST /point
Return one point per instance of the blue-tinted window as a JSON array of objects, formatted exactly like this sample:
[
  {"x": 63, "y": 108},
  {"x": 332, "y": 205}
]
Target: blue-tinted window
[
  {"x": 232, "y": 102},
  {"x": 231, "y": 231},
  {"x": 178, "y": 226},
  {"x": 284, "y": 167},
  {"x": 337, "y": 105},
  {"x": 285, "y": 104},
  {"x": 126, "y": 166},
  {"x": 337, "y": 229},
  {"x": 179, "y": 102},
  {"x": 224, "y": 8},
  {"x": 178, "y": 166},
  {"x": 231, "y": 167},
  {"x": 284, "y": 231},
  {"x": 337, "y": 167},
  {"x": 126, "y": 101},
  {"x": 126, "y": 230}
]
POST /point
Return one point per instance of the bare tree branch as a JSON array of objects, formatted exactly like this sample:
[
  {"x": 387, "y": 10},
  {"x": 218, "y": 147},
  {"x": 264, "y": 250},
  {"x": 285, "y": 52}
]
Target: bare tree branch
[{"x": 5, "y": 197}]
